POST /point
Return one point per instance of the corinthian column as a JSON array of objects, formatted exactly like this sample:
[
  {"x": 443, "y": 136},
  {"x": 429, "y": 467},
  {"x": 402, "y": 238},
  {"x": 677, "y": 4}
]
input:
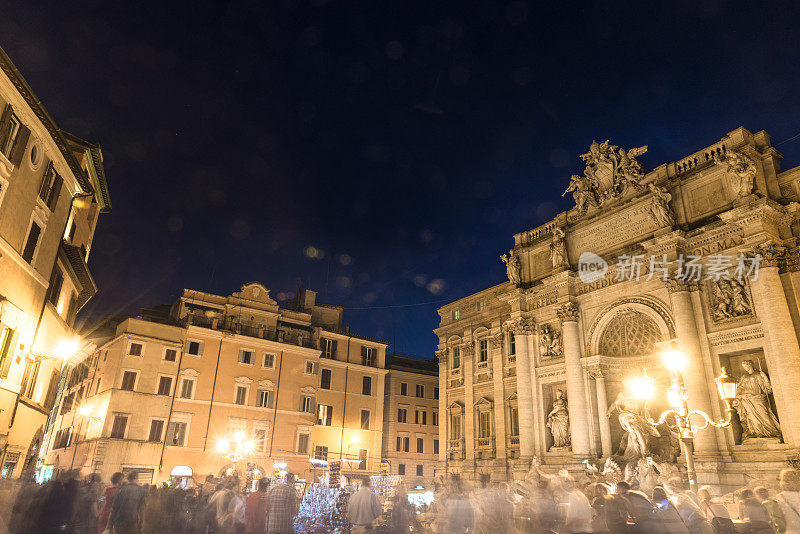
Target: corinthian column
[
  {"x": 576, "y": 393},
  {"x": 444, "y": 420},
  {"x": 781, "y": 349},
  {"x": 496, "y": 357},
  {"x": 602, "y": 408},
  {"x": 467, "y": 352},
  {"x": 523, "y": 328},
  {"x": 697, "y": 383}
]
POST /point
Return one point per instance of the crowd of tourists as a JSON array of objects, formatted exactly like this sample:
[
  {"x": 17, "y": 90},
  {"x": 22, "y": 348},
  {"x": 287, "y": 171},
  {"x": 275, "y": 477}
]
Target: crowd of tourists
[{"x": 547, "y": 504}]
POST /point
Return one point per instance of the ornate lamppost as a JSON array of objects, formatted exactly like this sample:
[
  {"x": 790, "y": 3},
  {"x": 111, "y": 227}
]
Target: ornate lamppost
[
  {"x": 683, "y": 422},
  {"x": 236, "y": 448}
]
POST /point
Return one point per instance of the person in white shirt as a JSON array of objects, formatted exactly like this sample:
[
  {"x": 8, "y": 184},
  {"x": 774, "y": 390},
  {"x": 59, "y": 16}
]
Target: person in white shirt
[
  {"x": 789, "y": 499},
  {"x": 363, "y": 508}
]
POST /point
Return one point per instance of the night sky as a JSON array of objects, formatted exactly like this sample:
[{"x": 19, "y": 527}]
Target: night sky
[{"x": 383, "y": 152}]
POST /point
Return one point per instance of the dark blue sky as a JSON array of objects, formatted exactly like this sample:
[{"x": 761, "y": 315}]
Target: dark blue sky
[{"x": 406, "y": 140}]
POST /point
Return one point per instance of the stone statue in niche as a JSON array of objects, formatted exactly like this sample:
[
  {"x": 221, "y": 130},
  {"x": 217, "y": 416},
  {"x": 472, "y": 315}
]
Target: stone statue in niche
[
  {"x": 512, "y": 267},
  {"x": 729, "y": 300},
  {"x": 550, "y": 342},
  {"x": 558, "y": 248},
  {"x": 659, "y": 206},
  {"x": 558, "y": 422},
  {"x": 752, "y": 404},
  {"x": 637, "y": 430},
  {"x": 741, "y": 171}
]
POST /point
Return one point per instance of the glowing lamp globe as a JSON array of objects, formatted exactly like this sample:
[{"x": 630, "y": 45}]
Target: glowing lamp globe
[
  {"x": 642, "y": 387},
  {"x": 675, "y": 360}
]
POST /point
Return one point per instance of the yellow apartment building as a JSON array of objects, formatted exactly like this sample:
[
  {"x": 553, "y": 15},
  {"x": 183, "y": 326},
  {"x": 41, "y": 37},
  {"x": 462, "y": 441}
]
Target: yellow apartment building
[
  {"x": 52, "y": 191},
  {"x": 219, "y": 383}
]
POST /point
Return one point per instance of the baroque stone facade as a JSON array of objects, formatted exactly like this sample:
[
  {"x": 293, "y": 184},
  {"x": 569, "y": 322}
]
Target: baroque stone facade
[{"x": 597, "y": 293}]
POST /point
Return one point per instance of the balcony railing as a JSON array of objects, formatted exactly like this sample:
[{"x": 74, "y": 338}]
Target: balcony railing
[
  {"x": 513, "y": 441},
  {"x": 511, "y": 359},
  {"x": 252, "y": 329},
  {"x": 456, "y": 371},
  {"x": 483, "y": 365},
  {"x": 484, "y": 443},
  {"x": 456, "y": 443}
]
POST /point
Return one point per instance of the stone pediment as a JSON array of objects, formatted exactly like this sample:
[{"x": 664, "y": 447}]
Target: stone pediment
[{"x": 255, "y": 291}]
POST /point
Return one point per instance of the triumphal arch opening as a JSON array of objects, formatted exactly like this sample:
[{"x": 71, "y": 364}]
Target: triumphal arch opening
[{"x": 697, "y": 256}]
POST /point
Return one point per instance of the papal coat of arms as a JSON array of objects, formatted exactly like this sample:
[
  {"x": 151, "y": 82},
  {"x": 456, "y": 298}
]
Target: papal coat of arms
[{"x": 609, "y": 171}]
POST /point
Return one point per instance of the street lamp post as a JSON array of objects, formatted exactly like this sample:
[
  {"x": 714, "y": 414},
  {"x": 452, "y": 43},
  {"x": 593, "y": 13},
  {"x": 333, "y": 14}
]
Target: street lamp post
[
  {"x": 236, "y": 448},
  {"x": 683, "y": 422}
]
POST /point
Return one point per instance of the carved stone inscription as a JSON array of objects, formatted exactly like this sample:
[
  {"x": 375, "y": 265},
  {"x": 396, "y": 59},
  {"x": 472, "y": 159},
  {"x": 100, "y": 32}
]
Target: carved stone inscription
[{"x": 620, "y": 229}]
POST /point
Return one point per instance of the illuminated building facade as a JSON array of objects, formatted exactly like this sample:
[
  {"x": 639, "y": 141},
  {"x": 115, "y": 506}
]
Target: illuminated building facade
[{"x": 52, "y": 191}]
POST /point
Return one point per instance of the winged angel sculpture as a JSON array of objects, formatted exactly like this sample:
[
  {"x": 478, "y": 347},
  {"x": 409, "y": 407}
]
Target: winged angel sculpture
[{"x": 609, "y": 170}]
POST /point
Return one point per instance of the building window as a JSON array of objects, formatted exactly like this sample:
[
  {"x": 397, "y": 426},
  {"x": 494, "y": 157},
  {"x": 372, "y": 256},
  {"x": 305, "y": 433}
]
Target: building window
[
  {"x": 264, "y": 398},
  {"x": 156, "y": 428},
  {"x": 321, "y": 452},
  {"x": 484, "y": 424},
  {"x": 56, "y": 281},
  {"x": 403, "y": 388},
  {"x": 306, "y": 404},
  {"x": 50, "y": 188},
  {"x": 325, "y": 379},
  {"x": 328, "y": 347},
  {"x": 176, "y": 434},
  {"x": 246, "y": 357},
  {"x": 324, "y": 414},
  {"x": 401, "y": 469},
  {"x": 419, "y": 470},
  {"x": 366, "y": 385},
  {"x": 6, "y": 335},
  {"x": 31, "y": 242},
  {"x": 436, "y": 446},
  {"x": 269, "y": 360},
  {"x": 512, "y": 344},
  {"x": 170, "y": 355},
  {"x": 456, "y": 357},
  {"x": 164, "y": 385},
  {"x": 187, "y": 388},
  {"x": 420, "y": 391},
  {"x": 420, "y": 417},
  {"x": 420, "y": 445},
  {"x": 483, "y": 350},
  {"x": 195, "y": 348},
  {"x": 128, "y": 380},
  {"x": 402, "y": 443},
  {"x": 402, "y": 415},
  {"x": 368, "y": 356},
  {"x": 364, "y": 419},
  {"x": 362, "y": 459},
  {"x": 260, "y": 438},
  {"x": 435, "y": 418},
  {"x": 241, "y": 395},
  {"x": 455, "y": 427},
  {"x": 456, "y": 315},
  {"x": 513, "y": 421},
  {"x": 435, "y": 393},
  {"x": 9, "y": 135},
  {"x": 302, "y": 443},
  {"x": 311, "y": 368},
  {"x": 119, "y": 426},
  {"x": 135, "y": 349}
]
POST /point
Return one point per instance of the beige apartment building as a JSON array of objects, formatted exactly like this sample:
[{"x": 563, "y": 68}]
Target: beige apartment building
[
  {"x": 535, "y": 367},
  {"x": 174, "y": 390},
  {"x": 411, "y": 419},
  {"x": 52, "y": 191}
]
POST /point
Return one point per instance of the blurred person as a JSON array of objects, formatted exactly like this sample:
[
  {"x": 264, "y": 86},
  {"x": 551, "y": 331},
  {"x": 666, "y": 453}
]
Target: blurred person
[
  {"x": 86, "y": 511},
  {"x": 283, "y": 504},
  {"x": 776, "y": 519},
  {"x": 256, "y": 509},
  {"x": 126, "y": 510},
  {"x": 688, "y": 506},
  {"x": 641, "y": 510},
  {"x": 578, "y": 510},
  {"x": 789, "y": 499},
  {"x": 107, "y": 500},
  {"x": 403, "y": 513},
  {"x": 459, "y": 514},
  {"x": 363, "y": 508},
  {"x": 610, "y": 513},
  {"x": 667, "y": 516},
  {"x": 753, "y": 513},
  {"x": 58, "y": 503},
  {"x": 235, "y": 517},
  {"x": 218, "y": 505},
  {"x": 715, "y": 512}
]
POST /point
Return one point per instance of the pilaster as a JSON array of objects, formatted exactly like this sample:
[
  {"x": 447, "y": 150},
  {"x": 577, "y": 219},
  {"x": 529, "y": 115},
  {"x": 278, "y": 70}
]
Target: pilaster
[{"x": 576, "y": 393}]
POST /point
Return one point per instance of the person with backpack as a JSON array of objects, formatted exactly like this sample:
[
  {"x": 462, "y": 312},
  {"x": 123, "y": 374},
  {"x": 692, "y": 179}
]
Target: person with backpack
[{"x": 715, "y": 512}]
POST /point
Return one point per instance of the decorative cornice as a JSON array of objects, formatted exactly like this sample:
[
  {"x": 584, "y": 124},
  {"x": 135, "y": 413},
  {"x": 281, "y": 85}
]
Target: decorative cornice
[
  {"x": 568, "y": 312},
  {"x": 675, "y": 285}
]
